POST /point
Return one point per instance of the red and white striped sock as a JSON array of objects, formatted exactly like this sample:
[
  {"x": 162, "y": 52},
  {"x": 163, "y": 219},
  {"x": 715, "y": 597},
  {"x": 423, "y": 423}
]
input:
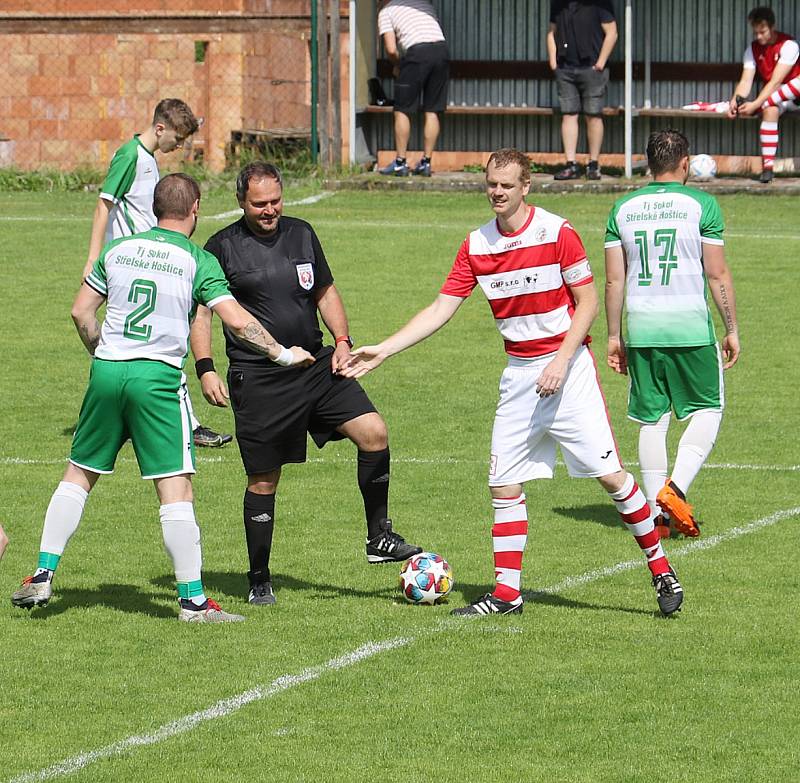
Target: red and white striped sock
[
  {"x": 509, "y": 534},
  {"x": 769, "y": 144},
  {"x": 635, "y": 513},
  {"x": 786, "y": 92}
]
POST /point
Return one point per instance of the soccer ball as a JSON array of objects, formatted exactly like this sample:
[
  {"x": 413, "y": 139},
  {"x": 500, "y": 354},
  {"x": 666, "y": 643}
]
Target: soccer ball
[
  {"x": 702, "y": 167},
  {"x": 426, "y": 578}
]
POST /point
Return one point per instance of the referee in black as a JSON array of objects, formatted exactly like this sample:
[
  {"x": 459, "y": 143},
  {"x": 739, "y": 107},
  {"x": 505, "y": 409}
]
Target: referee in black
[{"x": 277, "y": 270}]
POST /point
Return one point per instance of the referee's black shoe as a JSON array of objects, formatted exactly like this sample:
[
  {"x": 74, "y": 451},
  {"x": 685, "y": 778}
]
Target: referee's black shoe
[
  {"x": 389, "y": 547},
  {"x": 203, "y": 436}
]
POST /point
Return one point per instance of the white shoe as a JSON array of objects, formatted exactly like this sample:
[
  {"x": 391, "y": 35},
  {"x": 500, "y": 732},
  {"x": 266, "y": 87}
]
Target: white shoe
[
  {"x": 32, "y": 593},
  {"x": 210, "y": 612}
]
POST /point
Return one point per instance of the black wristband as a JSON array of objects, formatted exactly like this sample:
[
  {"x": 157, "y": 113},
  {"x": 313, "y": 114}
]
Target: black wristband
[{"x": 202, "y": 366}]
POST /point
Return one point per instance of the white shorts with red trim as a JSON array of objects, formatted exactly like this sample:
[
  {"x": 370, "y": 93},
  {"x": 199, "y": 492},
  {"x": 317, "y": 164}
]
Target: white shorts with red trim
[{"x": 527, "y": 428}]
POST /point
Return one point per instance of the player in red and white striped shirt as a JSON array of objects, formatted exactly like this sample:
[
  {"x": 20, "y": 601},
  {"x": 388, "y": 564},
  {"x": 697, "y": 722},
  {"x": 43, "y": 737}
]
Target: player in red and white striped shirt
[
  {"x": 775, "y": 57},
  {"x": 532, "y": 267}
]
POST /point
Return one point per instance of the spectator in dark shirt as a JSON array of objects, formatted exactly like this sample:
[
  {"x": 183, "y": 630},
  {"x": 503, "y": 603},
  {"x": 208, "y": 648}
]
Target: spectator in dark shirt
[{"x": 580, "y": 39}]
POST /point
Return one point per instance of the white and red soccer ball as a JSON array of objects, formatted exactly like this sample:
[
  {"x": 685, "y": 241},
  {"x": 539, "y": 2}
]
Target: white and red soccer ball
[{"x": 426, "y": 578}]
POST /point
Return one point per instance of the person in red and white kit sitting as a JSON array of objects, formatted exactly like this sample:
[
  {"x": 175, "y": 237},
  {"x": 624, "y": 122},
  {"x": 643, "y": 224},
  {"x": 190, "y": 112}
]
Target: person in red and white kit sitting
[
  {"x": 775, "y": 57},
  {"x": 532, "y": 267}
]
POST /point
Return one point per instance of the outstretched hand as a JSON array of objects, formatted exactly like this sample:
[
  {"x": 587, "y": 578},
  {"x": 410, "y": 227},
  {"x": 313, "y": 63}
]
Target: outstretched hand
[
  {"x": 362, "y": 361},
  {"x": 301, "y": 357}
]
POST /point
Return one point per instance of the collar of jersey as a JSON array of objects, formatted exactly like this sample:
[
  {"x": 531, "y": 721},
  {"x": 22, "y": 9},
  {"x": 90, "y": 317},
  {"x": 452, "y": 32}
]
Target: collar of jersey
[
  {"x": 151, "y": 153},
  {"x": 519, "y": 230}
]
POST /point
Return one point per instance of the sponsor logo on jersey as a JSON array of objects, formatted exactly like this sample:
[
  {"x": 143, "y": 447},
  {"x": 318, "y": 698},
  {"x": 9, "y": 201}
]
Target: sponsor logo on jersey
[
  {"x": 540, "y": 234},
  {"x": 305, "y": 275}
]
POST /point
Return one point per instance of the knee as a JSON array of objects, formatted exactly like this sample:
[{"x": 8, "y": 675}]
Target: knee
[
  {"x": 377, "y": 436},
  {"x": 613, "y": 482},
  {"x": 263, "y": 483}
]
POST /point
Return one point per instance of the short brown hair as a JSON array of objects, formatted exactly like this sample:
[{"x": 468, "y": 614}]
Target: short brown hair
[
  {"x": 762, "y": 14},
  {"x": 258, "y": 170},
  {"x": 665, "y": 150},
  {"x": 174, "y": 197},
  {"x": 173, "y": 113},
  {"x": 508, "y": 155}
]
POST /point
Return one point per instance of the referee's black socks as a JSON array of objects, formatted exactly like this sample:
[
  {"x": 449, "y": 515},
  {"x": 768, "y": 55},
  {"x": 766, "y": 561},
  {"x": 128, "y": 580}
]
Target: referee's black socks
[
  {"x": 373, "y": 481},
  {"x": 259, "y": 522}
]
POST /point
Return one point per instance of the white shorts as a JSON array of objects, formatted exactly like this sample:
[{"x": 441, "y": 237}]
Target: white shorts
[{"x": 528, "y": 427}]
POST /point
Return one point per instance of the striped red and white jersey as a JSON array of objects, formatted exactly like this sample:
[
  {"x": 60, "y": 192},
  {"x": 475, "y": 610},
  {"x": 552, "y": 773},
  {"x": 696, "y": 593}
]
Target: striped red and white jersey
[
  {"x": 526, "y": 277},
  {"x": 764, "y": 58}
]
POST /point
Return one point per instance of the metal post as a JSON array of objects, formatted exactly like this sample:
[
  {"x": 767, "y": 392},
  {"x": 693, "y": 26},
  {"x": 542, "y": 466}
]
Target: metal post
[
  {"x": 648, "y": 54},
  {"x": 352, "y": 36},
  {"x": 314, "y": 84},
  {"x": 628, "y": 89},
  {"x": 323, "y": 84},
  {"x": 336, "y": 85}
]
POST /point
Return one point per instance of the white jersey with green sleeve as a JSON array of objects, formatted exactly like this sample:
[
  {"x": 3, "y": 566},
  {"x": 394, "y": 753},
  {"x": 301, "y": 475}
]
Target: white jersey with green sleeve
[
  {"x": 662, "y": 229},
  {"x": 153, "y": 282},
  {"x": 129, "y": 185}
]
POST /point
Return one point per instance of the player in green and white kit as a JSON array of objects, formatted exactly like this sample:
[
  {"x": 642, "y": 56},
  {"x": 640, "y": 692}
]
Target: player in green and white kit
[
  {"x": 664, "y": 251},
  {"x": 125, "y": 205},
  {"x": 151, "y": 283}
]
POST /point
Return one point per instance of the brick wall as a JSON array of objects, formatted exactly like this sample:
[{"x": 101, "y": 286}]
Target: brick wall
[{"x": 69, "y": 98}]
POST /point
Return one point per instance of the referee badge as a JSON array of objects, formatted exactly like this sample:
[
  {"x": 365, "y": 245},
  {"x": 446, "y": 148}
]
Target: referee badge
[{"x": 305, "y": 275}]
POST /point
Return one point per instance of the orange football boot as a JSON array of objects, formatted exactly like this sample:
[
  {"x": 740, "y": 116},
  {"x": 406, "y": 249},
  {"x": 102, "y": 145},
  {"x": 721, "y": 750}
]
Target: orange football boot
[{"x": 679, "y": 511}]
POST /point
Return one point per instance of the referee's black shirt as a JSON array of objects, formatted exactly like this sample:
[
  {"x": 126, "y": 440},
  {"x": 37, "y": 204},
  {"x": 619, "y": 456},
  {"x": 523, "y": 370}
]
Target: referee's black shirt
[{"x": 275, "y": 278}]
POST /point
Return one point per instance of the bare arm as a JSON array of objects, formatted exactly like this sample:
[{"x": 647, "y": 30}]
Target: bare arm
[
  {"x": 741, "y": 90},
  {"x": 3, "y": 541},
  {"x": 778, "y": 75},
  {"x": 720, "y": 283},
  {"x": 615, "y": 297},
  {"x": 84, "y": 316},
  {"x": 390, "y": 45},
  {"x": 609, "y": 42},
  {"x": 586, "y": 309},
  {"x": 422, "y": 325},
  {"x": 97, "y": 240},
  {"x": 249, "y": 331},
  {"x": 551, "y": 47},
  {"x": 331, "y": 308},
  {"x": 214, "y": 389}
]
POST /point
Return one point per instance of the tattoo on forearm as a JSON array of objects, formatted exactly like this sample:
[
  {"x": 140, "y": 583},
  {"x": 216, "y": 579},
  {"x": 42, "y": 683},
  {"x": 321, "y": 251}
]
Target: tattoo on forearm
[
  {"x": 727, "y": 313},
  {"x": 90, "y": 336},
  {"x": 256, "y": 336}
]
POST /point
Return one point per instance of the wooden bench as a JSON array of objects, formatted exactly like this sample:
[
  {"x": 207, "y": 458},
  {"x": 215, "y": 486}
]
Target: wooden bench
[{"x": 506, "y": 111}]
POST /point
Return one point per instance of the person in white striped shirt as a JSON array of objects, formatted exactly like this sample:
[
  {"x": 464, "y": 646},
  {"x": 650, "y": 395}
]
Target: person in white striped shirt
[
  {"x": 532, "y": 268},
  {"x": 415, "y": 44}
]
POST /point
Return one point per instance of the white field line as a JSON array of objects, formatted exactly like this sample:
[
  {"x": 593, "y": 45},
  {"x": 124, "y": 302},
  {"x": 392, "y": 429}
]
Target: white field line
[
  {"x": 219, "y": 710},
  {"x": 697, "y": 545},
  {"x": 220, "y": 216},
  {"x": 201, "y": 459},
  {"x": 234, "y": 703}
]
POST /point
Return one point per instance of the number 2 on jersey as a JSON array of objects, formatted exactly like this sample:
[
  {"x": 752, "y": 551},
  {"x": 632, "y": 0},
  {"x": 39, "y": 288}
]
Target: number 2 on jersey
[
  {"x": 667, "y": 261},
  {"x": 134, "y": 328}
]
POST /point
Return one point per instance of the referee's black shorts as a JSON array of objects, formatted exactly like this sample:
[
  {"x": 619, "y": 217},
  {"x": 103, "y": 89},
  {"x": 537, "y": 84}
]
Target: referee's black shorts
[
  {"x": 274, "y": 410},
  {"x": 425, "y": 73}
]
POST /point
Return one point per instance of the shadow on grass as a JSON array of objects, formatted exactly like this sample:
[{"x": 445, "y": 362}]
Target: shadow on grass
[
  {"x": 234, "y": 584},
  {"x": 123, "y": 598},
  {"x": 600, "y": 513},
  {"x": 470, "y": 592}
]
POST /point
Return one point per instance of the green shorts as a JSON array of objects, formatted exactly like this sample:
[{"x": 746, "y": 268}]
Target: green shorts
[
  {"x": 142, "y": 400},
  {"x": 684, "y": 379}
]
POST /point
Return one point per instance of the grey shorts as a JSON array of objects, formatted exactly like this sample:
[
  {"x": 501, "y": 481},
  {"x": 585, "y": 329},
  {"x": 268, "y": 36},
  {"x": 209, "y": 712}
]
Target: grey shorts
[{"x": 581, "y": 90}]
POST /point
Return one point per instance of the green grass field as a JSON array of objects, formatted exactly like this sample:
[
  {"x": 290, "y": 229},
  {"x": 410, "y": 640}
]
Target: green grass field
[{"x": 342, "y": 680}]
